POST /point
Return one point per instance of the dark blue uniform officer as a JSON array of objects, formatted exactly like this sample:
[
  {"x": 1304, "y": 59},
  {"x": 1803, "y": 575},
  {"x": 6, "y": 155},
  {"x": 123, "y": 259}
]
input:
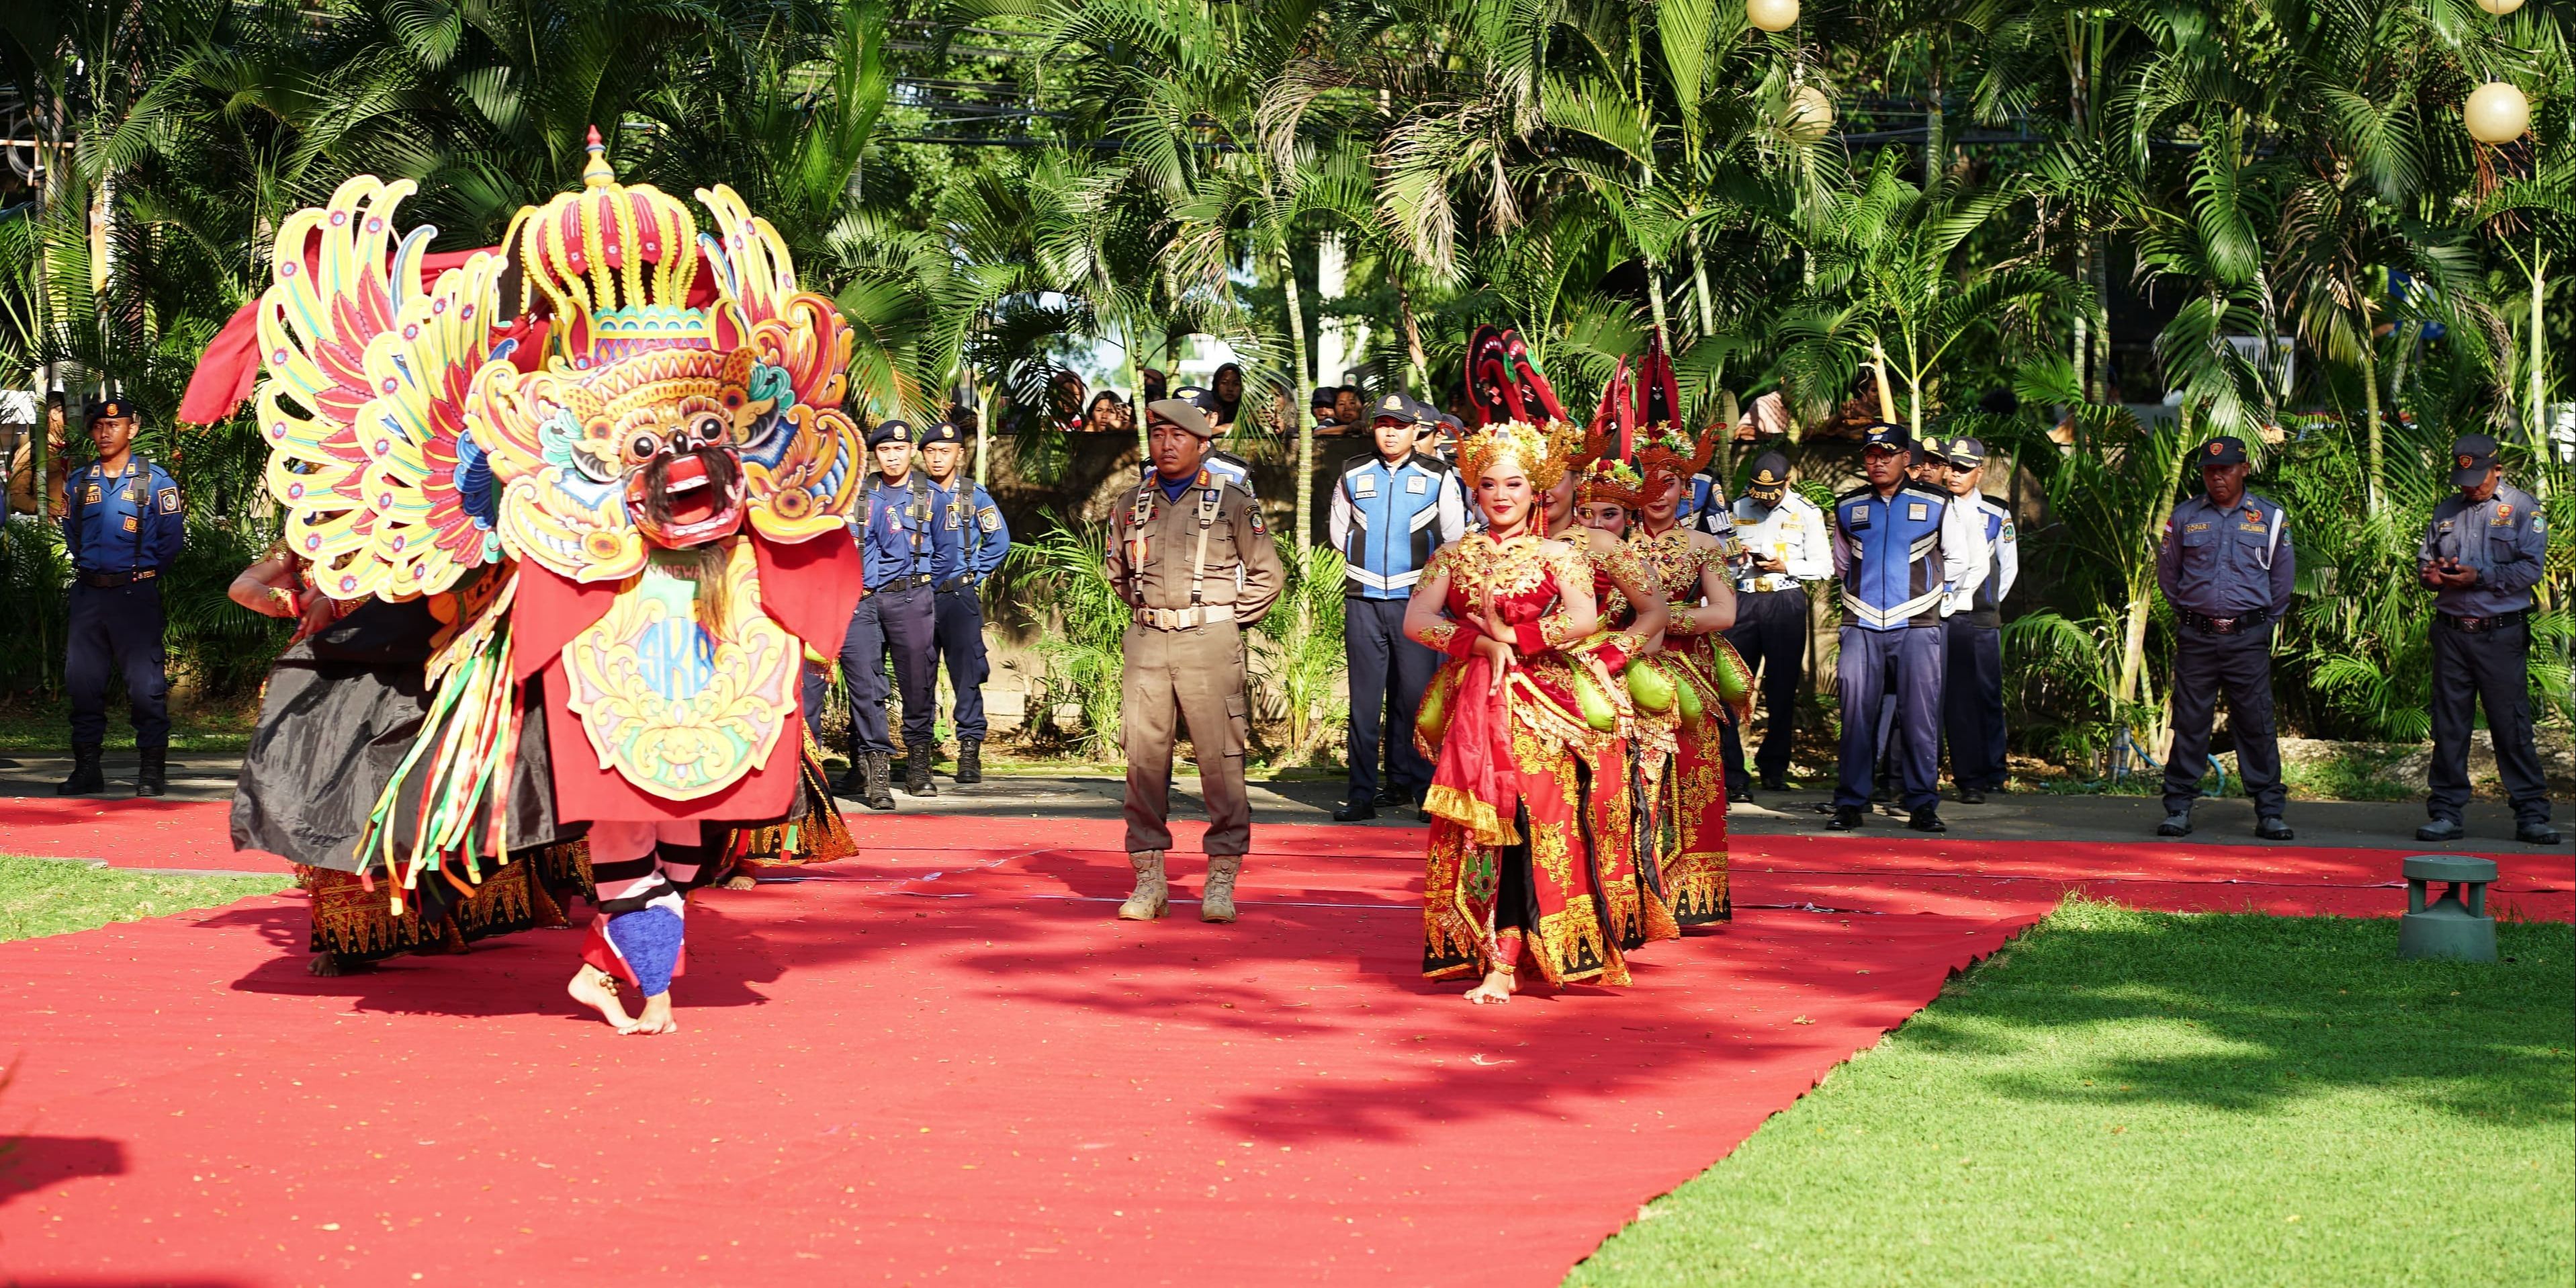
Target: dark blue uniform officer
[
  {"x": 970, "y": 542},
  {"x": 123, "y": 525},
  {"x": 1391, "y": 508},
  {"x": 897, "y": 615},
  {"x": 2481, "y": 555},
  {"x": 1900, "y": 550},
  {"x": 2226, "y": 567}
]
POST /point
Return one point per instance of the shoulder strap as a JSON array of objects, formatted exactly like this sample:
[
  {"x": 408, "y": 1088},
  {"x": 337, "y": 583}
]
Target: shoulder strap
[{"x": 1211, "y": 500}]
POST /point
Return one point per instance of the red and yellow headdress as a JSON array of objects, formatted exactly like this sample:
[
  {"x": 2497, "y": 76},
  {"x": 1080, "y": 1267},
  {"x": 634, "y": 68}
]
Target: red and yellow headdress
[
  {"x": 1610, "y": 480},
  {"x": 1540, "y": 453},
  {"x": 1671, "y": 455}
]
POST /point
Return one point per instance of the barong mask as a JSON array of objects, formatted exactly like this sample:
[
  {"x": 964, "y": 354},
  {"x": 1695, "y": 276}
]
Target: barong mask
[{"x": 684, "y": 388}]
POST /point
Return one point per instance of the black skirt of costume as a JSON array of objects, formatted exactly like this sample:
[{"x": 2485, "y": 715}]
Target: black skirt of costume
[{"x": 341, "y": 710}]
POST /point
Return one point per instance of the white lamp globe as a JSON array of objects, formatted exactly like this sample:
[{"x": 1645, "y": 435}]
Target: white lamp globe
[
  {"x": 2497, "y": 113},
  {"x": 2499, "y": 7},
  {"x": 1810, "y": 113},
  {"x": 1781, "y": 15}
]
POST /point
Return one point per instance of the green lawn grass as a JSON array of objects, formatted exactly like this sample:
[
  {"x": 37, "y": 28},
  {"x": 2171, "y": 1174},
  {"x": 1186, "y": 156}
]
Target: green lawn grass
[
  {"x": 2125, "y": 1097},
  {"x": 56, "y": 896}
]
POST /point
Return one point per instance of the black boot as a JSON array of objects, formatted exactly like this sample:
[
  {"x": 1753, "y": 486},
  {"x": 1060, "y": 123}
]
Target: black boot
[
  {"x": 878, "y": 791},
  {"x": 853, "y": 782},
  {"x": 86, "y": 776},
  {"x": 970, "y": 763},
  {"x": 916, "y": 769},
  {"x": 154, "y": 778}
]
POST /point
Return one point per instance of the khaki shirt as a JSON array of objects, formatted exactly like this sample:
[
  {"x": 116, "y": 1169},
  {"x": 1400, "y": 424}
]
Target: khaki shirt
[{"x": 1154, "y": 540}]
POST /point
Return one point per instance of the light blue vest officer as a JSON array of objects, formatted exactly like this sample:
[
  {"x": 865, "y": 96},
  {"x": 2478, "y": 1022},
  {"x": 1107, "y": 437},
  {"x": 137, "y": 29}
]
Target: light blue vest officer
[
  {"x": 971, "y": 538},
  {"x": 123, "y": 525},
  {"x": 1391, "y": 508},
  {"x": 1900, "y": 551}
]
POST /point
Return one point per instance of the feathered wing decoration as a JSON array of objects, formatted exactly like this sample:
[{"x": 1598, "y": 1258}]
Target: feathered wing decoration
[
  {"x": 363, "y": 403},
  {"x": 803, "y": 459}
]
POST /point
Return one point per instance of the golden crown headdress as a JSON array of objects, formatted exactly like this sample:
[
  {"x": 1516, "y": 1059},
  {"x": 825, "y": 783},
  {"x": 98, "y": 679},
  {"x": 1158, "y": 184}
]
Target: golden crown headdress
[
  {"x": 616, "y": 264},
  {"x": 1541, "y": 453}
]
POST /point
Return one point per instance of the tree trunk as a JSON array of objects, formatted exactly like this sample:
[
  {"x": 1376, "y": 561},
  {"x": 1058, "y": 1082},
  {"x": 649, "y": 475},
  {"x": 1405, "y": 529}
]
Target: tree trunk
[
  {"x": 1413, "y": 339},
  {"x": 2370, "y": 413},
  {"x": 2539, "y": 423},
  {"x": 2083, "y": 319},
  {"x": 1136, "y": 391},
  {"x": 1699, "y": 282},
  {"x": 1655, "y": 298},
  {"x": 1297, "y": 402},
  {"x": 2142, "y": 578}
]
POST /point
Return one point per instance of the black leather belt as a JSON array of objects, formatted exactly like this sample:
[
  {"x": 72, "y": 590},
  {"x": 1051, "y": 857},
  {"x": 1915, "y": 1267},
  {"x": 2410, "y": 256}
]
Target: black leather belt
[
  {"x": 956, "y": 584},
  {"x": 901, "y": 583},
  {"x": 111, "y": 580},
  {"x": 2237, "y": 625},
  {"x": 2480, "y": 625}
]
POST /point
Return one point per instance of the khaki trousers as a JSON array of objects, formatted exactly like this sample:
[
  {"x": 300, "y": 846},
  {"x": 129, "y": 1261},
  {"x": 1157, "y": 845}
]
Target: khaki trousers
[{"x": 1193, "y": 676}]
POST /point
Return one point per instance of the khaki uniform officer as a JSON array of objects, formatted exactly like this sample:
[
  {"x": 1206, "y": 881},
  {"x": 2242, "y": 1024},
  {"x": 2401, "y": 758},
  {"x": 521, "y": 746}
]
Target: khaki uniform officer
[{"x": 1190, "y": 555}]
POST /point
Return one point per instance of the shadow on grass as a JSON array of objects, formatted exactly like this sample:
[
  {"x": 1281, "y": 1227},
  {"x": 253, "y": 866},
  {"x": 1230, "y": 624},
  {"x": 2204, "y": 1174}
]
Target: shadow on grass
[{"x": 2287, "y": 1008}]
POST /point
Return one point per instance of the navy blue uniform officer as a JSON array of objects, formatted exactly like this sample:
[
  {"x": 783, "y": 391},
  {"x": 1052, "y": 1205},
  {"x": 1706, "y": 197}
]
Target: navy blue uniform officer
[
  {"x": 123, "y": 524},
  {"x": 2226, "y": 566},
  {"x": 898, "y": 555},
  {"x": 2481, "y": 555},
  {"x": 970, "y": 542}
]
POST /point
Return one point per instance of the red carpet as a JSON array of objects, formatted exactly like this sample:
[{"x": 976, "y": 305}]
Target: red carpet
[{"x": 943, "y": 1061}]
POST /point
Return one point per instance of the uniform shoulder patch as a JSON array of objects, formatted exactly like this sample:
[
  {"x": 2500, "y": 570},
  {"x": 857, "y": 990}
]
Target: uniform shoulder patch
[
  {"x": 2009, "y": 533},
  {"x": 989, "y": 520},
  {"x": 1257, "y": 525},
  {"x": 169, "y": 500}
]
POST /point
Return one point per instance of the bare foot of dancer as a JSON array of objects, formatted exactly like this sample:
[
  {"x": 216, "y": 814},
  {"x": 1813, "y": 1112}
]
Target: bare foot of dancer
[
  {"x": 597, "y": 989},
  {"x": 656, "y": 1017},
  {"x": 741, "y": 881},
  {"x": 1496, "y": 990}
]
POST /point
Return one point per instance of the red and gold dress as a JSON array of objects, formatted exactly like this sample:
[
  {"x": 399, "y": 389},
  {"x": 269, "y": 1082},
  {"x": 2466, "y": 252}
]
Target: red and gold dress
[
  {"x": 1689, "y": 809},
  {"x": 1512, "y": 882},
  {"x": 1622, "y": 772}
]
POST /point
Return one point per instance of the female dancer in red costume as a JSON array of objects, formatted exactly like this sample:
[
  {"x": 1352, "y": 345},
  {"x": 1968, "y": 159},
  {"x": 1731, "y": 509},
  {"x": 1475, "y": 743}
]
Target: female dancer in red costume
[
  {"x": 1703, "y": 671},
  {"x": 1511, "y": 882}
]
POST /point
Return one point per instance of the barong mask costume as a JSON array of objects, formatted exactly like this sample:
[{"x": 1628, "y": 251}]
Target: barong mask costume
[{"x": 638, "y": 425}]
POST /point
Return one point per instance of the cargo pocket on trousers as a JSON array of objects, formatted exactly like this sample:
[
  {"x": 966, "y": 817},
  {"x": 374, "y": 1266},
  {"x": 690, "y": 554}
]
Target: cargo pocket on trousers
[{"x": 1238, "y": 725}]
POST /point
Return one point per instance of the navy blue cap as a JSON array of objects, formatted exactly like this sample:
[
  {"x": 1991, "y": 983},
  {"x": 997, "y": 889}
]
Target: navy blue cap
[
  {"x": 1403, "y": 407},
  {"x": 1770, "y": 474},
  {"x": 890, "y": 431},
  {"x": 105, "y": 408},
  {"x": 1966, "y": 453},
  {"x": 2226, "y": 449},
  {"x": 939, "y": 431},
  {"x": 1892, "y": 437},
  {"x": 2472, "y": 455}
]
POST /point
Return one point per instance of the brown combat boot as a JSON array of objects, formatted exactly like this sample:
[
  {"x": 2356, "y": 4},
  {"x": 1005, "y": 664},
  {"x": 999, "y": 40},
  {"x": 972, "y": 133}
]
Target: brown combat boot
[
  {"x": 1217, "y": 902},
  {"x": 1153, "y": 896}
]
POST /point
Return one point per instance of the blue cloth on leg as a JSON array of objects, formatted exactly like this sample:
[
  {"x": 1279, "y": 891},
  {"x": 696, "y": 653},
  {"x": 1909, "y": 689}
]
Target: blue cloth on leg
[{"x": 649, "y": 940}]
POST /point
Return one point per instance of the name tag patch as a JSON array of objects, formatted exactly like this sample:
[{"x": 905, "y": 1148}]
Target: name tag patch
[
  {"x": 1918, "y": 511},
  {"x": 1414, "y": 486},
  {"x": 1364, "y": 486},
  {"x": 1856, "y": 518},
  {"x": 2195, "y": 527}
]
